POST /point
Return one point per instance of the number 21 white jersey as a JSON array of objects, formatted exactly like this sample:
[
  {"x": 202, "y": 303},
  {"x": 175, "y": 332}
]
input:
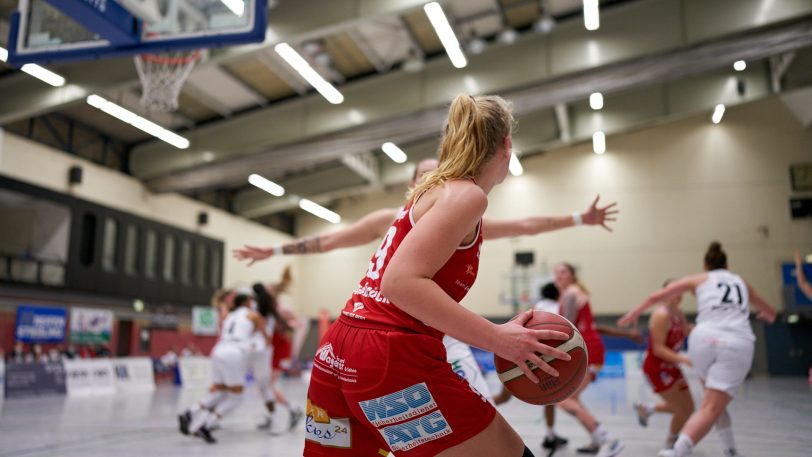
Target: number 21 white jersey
[{"x": 723, "y": 301}]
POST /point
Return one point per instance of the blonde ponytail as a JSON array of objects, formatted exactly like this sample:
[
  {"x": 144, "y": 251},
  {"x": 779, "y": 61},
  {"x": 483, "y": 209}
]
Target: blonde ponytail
[{"x": 475, "y": 128}]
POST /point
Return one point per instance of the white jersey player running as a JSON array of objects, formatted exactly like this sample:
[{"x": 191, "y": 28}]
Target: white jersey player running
[
  {"x": 720, "y": 346},
  {"x": 229, "y": 363}
]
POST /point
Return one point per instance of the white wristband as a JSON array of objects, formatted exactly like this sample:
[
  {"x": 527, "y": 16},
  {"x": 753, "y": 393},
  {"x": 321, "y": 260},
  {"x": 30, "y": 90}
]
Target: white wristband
[
  {"x": 277, "y": 250},
  {"x": 576, "y": 218}
]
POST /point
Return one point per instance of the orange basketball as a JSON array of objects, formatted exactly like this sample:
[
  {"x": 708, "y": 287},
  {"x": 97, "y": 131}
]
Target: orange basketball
[{"x": 571, "y": 373}]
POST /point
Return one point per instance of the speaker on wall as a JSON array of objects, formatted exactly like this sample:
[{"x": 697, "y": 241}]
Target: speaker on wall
[
  {"x": 75, "y": 175},
  {"x": 202, "y": 218},
  {"x": 800, "y": 208},
  {"x": 524, "y": 259}
]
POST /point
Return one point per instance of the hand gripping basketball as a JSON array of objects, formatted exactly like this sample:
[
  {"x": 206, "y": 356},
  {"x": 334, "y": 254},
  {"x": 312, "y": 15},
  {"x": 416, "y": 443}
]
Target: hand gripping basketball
[
  {"x": 522, "y": 345},
  {"x": 555, "y": 368}
]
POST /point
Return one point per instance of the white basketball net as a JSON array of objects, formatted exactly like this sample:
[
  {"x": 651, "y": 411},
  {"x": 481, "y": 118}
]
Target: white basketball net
[{"x": 162, "y": 77}]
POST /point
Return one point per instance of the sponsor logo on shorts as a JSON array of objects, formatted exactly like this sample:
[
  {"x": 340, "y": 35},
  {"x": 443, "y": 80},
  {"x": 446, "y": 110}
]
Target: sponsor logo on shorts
[
  {"x": 357, "y": 306},
  {"x": 398, "y": 406},
  {"x": 328, "y": 362},
  {"x": 326, "y": 430},
  {"x": 408, "y": 435}
]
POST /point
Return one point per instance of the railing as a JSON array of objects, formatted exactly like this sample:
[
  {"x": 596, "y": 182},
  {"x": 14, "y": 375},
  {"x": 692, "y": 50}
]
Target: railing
[{"x": 27, "y": 269}]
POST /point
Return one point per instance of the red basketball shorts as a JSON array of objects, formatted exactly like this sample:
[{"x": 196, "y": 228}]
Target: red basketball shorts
[
  {"x": 376, "y": 389},
  {"x": 662, "y": 376}
]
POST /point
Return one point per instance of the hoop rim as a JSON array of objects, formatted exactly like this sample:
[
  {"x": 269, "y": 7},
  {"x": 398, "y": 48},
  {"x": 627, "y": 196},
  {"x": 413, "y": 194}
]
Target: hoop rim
[{"x": 167, "y": 60}]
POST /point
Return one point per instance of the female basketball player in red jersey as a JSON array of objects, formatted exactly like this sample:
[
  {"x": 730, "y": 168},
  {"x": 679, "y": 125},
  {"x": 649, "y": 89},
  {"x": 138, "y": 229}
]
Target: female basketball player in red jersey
[
  {"x": 380, "y": 379},
  {"x": 667, "y": 331},
  {"x": 721, "y": 345},
  {"x": 575, "y": 307}
]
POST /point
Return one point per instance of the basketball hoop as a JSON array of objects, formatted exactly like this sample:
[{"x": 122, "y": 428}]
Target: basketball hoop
[{"x": 162, "y": 77}]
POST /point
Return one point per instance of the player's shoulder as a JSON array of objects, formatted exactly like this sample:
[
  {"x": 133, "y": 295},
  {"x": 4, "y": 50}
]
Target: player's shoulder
[{"x": 463, "y": 193}]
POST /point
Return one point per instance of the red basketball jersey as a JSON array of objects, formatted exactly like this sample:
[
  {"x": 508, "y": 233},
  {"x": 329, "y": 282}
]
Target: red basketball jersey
[
  {"x": 455, "y": 277},
  {"x": 674, "y": 340},
  {"x": 585, "y": 324}
]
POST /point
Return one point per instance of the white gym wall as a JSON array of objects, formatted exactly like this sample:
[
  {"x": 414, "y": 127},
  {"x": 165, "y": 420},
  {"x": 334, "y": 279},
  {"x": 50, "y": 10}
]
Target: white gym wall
[{"x": 679, "y": 185}]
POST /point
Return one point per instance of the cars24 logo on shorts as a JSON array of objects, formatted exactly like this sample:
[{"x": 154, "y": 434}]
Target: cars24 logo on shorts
[
  {"x": 406, "y": 418},
  {"x": 325, "y": 430}
]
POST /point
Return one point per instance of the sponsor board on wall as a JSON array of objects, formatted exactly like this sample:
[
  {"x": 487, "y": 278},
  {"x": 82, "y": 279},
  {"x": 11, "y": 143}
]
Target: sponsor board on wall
[
  {"x": 34, "y": 379},
  {"x": 194, "y": 371},
  {"x": 40, "y": 324},
  {"x": 204, "y": 321},
  {"x": 85, "y": 377},
  {"x": 90, "y": 326},
  {"x": 133, "y": 374}
]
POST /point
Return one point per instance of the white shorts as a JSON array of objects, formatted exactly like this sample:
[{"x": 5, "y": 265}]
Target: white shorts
[
  {"x": 260, "y": 364},
  {"x": 721, "y": 359},
  {"x": 462, "y": 361},
  {"x": 228, "y": 365}
]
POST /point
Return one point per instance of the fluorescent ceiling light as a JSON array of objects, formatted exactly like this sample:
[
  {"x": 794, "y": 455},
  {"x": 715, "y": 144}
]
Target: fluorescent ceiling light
[
  {"x": 599, "y": 142},
  {"x": 596, "y": 100},
  {"x": 443, "y": 29},
  {"x": 515, "y": 166},
  {"x": 3, "y": 54},
  {"x": 394, "y": 152},
  {"x": 137, "y": 121},
  {"x": 592, "y": 19},
  {"x": 308, "y": 73},
  {"x": 739, "y": 65},
  {"x": 43, "y": 74},
  {"x": 718, "y": 112},
  {"x": 236, "y": 6},
  {"x": 319, "y": 211},
  {"x": 267, "y": 185}
]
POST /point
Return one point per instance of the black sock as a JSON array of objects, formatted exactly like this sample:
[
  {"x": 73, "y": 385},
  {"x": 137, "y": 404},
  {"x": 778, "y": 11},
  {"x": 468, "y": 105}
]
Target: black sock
[{"x": 527, "y": 453}]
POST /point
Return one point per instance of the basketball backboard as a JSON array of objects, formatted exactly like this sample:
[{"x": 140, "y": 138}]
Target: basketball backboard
[{"x": 45, "y": 31}]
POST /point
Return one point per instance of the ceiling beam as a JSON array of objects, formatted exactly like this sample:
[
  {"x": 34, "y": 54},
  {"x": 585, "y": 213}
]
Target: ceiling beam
[{"x": 676, "y": 64}]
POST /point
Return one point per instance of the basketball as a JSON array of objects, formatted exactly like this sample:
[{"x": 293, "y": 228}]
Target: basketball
[{"x": 550, "y": 389}]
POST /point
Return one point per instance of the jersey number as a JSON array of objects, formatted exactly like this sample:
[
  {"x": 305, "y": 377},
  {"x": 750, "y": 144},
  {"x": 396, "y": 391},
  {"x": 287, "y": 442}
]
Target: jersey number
[
  {"x": 727, "y": 298},
  {"x": 375, "y": 265},
  {"x": 230, "y": 330}
]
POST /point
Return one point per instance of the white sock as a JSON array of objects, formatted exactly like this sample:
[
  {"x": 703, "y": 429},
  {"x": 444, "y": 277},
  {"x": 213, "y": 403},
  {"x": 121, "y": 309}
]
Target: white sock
[
  {"x": 600, "y": 435},
  {"x": 231, "y": 402},
  {"x": 208, "y": 401},
  {"x": 683, "y": 446},
  {"x": 726, "y": 434},
  {"x": 550, "y": 432},
  {"x": 649, "y": 408}
]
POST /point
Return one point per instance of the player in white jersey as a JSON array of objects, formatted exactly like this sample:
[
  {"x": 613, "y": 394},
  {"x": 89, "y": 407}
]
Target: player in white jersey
[
  {"x": 260, "y": 358},
  {"x": 229, "y": 362},
  {"x": 374, "y": 225},
  {"x": 720, "y": 346}
]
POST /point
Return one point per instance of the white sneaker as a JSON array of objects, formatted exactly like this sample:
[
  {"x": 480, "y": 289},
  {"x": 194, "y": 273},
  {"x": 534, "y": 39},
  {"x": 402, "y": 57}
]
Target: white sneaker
[
  {"x": 666, "y": 453},
  {"x": 610, "y": 448}
]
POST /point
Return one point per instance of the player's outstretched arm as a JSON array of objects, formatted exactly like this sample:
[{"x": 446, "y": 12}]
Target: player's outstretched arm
[
  {"x": 672, "y": 290},
  {"x": 594, "y": 215},
  {"x": 803, "y": 283},
  {"x": 368, "y": 228}
]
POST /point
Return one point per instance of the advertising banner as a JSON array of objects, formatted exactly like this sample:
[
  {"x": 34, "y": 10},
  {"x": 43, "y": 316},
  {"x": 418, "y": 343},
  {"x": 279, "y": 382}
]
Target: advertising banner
[
  {"x": 133, "y": 374},
  {"x": 39, "y": 324},
  {"x": 34, "y": 379},
  {"x": 90, "y": 326},
  {"x": 89, "y": 377},
  {"x": 204, "y": 321},
  {"x": 194, "y": 371}
]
